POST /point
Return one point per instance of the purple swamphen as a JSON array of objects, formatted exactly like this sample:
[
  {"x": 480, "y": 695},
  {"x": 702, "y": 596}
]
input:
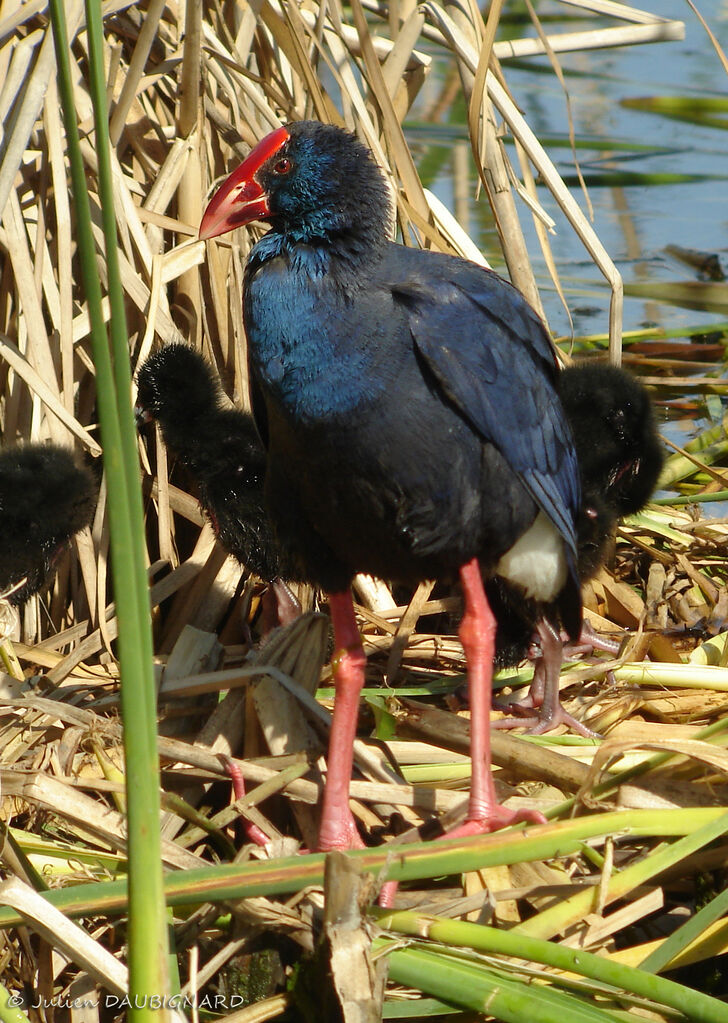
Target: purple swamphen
[
  {"x": 619, "y": 457},
  {"x": 407, "y": 401},
  {"x": 45, "y": 498}
]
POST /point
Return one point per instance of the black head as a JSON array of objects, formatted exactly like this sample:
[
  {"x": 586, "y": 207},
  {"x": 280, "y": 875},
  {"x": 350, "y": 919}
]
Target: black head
[
  {"x": 176, "y": 385},
  {"x": 613, "y": 423},
  {"x": 229, "y": 454},
  {"x": 45, "y": 498},
  {"x": 311, "y": 181}
]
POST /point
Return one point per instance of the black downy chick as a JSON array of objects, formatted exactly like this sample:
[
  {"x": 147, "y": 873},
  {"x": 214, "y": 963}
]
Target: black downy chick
[
  {"x": 620, "y": 458},
  {"x": 221, "y": 450},
  {"x": 46, "y": 497}
]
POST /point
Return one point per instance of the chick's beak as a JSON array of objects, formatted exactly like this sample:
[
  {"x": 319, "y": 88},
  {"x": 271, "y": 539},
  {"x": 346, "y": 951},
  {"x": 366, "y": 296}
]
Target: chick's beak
[{"x": 142, "y": 416}]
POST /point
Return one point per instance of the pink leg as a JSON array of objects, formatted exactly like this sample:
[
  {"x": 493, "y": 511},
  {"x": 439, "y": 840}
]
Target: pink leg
[
  {"x": 477, "y": 634},
  {"x": 252, "y": 831},
  {"x": 552, "y": 712},
  {"x": 531, "y": 701},
  {"x": 338, "y": 830},
  {"x": 590, "y": 640},
  {"x": 544, "y": 691},
  {"x": 288, "y": 607}
]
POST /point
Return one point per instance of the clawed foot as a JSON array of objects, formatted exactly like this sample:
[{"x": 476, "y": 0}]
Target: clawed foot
[
  {"x": 539, "y": 724},
  {"x": 498, "y": 817},
  {"x": 340, "y": 834},
  {"x": 346, "y": 836},
  {"x": 528, "y": 703},
  {"x": 558, "y": 716}
]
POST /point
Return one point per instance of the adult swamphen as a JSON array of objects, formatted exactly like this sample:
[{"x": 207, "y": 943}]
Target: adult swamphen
[
  {"x": 620, "y": 459},
  {"x": 46, "y": 497},
  {"x": 221, "y": 449},
  {"x": 407, "y": 402}
]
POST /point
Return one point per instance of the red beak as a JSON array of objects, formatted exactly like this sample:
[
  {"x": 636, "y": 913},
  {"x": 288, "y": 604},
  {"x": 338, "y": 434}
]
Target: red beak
[{"x": 240, "y": 199}]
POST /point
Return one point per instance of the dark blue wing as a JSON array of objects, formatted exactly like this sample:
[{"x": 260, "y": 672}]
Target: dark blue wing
[{"x": 490, "y": 353}]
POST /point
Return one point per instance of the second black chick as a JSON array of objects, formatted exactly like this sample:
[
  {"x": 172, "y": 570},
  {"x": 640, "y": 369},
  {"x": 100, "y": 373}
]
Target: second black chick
[
  {"x": 221, "y": 449},
  {"x": 46, "y": 497},
  {"x": 620, "y": 459}
]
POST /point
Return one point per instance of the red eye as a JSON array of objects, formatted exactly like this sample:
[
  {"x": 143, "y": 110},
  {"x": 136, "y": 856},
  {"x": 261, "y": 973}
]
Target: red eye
[{"x": 283, "y": 166}]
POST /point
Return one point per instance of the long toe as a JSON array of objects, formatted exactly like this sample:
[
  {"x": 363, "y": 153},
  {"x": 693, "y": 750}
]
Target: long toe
[
  {"x": 498, "y": 817},
  {"x": 547, "y": 721},
  {"x": 528, "y": 721}
]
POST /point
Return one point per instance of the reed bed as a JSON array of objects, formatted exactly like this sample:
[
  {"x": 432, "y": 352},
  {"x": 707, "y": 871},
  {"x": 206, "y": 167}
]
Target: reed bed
[{"x": 579, "y": 919}]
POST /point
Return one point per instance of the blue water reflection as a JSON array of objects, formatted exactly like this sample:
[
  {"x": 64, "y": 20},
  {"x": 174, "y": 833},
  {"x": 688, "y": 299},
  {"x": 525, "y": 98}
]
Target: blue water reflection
[{"x": 636, "y": 220}]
